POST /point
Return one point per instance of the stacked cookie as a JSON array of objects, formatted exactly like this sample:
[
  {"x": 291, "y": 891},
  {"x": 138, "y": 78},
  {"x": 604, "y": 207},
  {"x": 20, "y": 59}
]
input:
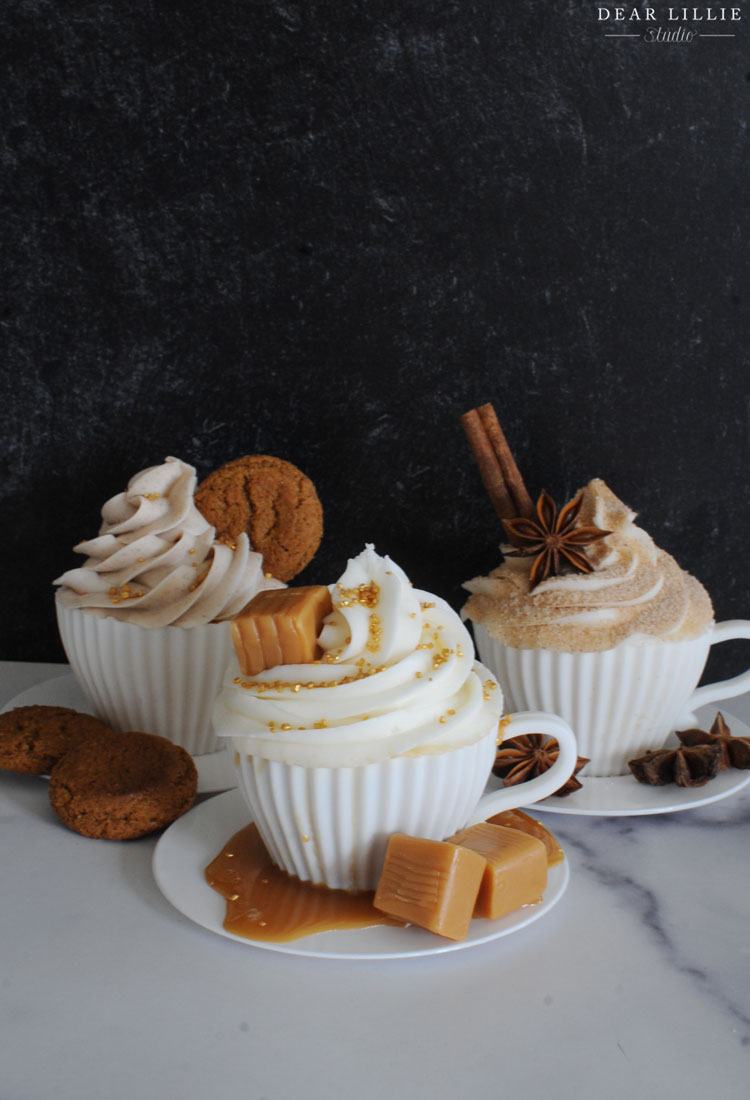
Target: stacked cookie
[{"x": 105, "y": 785}]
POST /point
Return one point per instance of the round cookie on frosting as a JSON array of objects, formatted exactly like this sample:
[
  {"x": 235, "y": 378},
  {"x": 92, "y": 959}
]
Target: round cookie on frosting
[
  {"x": 271, "y": 502},
  {"x": 34, "y": 738},
  {"x": 123, "y": 787}
]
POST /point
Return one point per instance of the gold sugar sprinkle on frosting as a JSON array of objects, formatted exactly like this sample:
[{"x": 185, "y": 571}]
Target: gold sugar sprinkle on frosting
[
  {"x": 441, "y": 657},
  {"x": 286, "y": 725},
  {"x": 366, "y": 595},
  {"x": 376, "y": 633},
  {"x": 152, "y": 496},
  {"x": 283, "y": 685},
  {"x": 124, "y": 592},
  {"x": 321, "y": 725},
  {"x": 425, "y": 606}
]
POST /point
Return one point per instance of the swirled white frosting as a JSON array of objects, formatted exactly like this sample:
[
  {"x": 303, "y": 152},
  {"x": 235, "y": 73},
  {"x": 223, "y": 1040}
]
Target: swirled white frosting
[
  {"x": 636, "y": 591},
  {"x": 397, "y": 676},
  {"x": 155, "y": 561}
]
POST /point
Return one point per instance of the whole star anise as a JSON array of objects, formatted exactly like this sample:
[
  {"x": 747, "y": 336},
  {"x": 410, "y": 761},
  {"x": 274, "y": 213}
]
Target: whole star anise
[
  {"x": 687, "y": 767},
  {"x": 528, "y": 755},
  {"x": 554, "y": 538},
  {"x": 735, "y": 751}
]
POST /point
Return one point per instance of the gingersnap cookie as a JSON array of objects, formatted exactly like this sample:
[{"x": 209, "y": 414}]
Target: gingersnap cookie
[
  {"x": 273, "y": 502},
  {"x": 34, "y": 738},
  {"x": 123, "y": 787}
]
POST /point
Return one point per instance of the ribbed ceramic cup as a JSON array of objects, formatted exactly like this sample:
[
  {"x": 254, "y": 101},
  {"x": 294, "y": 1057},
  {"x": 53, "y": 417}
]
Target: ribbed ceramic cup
[
  {"x": 162, "y": 680},
  {"x": 619, "y": 702},
  {"x": 331, "y": 825}
]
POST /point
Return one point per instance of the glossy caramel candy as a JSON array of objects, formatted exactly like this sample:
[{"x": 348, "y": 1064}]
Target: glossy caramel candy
[
  {"x": 517, "y": 819},
  {"x": 280, "y": 626},
  {"x": 515, "y": 868},
  {"x": 430, "y": 883}
]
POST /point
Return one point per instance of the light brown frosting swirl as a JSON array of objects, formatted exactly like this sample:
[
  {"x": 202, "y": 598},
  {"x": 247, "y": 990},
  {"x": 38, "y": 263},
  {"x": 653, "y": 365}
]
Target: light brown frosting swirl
[
  {"x": 156, "y": 562},
  {"x": 635, "y": 591}
]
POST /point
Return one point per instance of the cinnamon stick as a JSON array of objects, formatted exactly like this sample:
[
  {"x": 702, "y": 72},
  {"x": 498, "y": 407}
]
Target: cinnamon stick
[{"x": 497, "y": 468}]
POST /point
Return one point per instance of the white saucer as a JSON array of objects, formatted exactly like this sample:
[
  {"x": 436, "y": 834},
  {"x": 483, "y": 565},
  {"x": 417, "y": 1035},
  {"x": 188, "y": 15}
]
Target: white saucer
[
  {"x": 624, "y": 796},
  {"x": 215, "y": 770},
  {"x": 189, "y": 845}
]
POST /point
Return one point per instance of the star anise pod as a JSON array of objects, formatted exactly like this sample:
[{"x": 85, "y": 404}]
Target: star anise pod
[
  {"x": 735, "y": 751},
  {"x": 687, "y": 767},
  {"x": 525, "y": 757},
  {"x": 554, "y": 538}
]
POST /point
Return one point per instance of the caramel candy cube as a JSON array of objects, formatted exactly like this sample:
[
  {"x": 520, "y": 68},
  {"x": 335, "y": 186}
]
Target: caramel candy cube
[
  {"x": 430, "y": 883},
  {"x": 280, "y": 626},
  {"x": 516, "y": 868},
  {"x": 517, "y": 819}
]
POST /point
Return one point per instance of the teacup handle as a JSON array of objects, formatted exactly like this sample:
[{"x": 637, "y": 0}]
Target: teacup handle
[
  {"x": 523, "y": 794},
  {"x": 724, "y": 689}
]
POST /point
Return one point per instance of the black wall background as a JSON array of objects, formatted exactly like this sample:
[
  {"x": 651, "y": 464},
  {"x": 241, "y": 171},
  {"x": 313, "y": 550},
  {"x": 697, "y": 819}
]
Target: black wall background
[{"x": 323, "y": 230}]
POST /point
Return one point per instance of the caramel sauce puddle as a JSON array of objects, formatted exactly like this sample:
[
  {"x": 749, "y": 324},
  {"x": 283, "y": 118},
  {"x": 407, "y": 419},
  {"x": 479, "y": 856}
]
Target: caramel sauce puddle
[{"x": 265, "y": 903}]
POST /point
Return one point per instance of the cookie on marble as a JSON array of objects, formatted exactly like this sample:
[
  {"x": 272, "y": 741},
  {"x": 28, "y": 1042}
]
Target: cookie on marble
[
  {"x": 123, "y": 787},
  {"x": 34, "y": 738},
  {"x": 273, "y": 502}
]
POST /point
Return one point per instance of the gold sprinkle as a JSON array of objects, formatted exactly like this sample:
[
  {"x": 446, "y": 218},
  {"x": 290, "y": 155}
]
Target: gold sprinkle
[
  {"x": 459, "y": 651},
  {"x": 425, "y": 606},
  {"x": 191, "y": 551},
  {"x": 286, "y": 726},
  {"x": 367, "y": 595},
  {"x": 229, "y": 855},
  {"x": 296, "y": 687},
  {"x": 233, "y": 897},
  {"x": 268, "y": 576},
  {"x": 152, "y": 496},
  {"x": 376, "y": 633},
  {"x": 321, "y": 725}
]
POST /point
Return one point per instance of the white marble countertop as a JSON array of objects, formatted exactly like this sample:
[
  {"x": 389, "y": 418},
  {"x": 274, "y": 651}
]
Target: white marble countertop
[{"x": 636, "y": 985}]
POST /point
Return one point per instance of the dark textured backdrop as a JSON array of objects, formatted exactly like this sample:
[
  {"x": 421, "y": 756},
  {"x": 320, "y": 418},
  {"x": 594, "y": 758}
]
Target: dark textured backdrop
[{"x": 323, "y": 230}]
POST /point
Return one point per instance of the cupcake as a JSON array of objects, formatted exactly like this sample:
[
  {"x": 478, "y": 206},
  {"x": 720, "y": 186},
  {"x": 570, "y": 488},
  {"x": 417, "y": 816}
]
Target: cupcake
[
  {"x": 392, "y": 728},
  {"x": 587, "y": 618},
  {"x": 144, "y": 620}
]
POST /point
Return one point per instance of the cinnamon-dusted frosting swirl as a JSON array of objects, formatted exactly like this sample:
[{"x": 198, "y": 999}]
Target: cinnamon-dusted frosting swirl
[
  {"x": 636, "y": 591},
  {"x": 397, "y": 676},
  {"x": 156, "y": 563}
]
